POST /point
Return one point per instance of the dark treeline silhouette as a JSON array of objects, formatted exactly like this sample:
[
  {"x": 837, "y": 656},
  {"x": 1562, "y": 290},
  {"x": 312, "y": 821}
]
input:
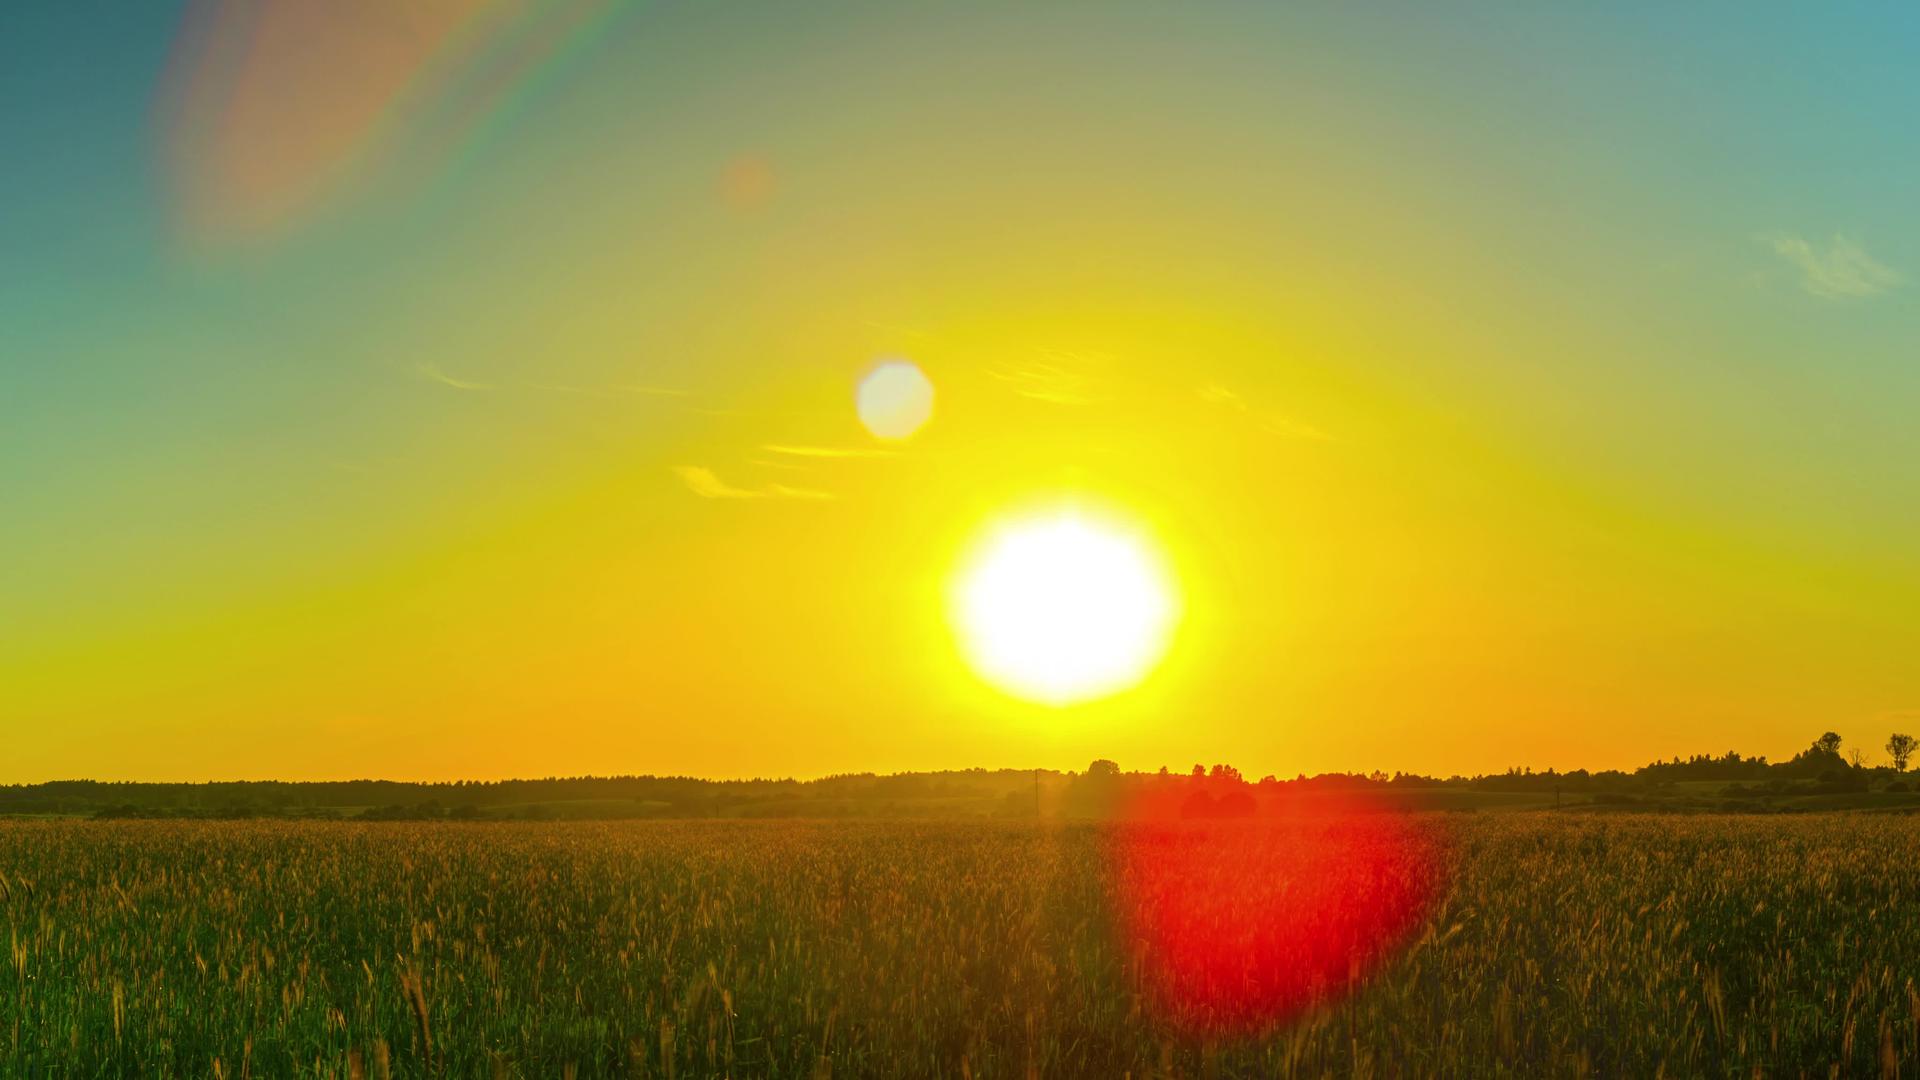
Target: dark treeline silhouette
[
  {"x": 863, "y": 794},
  {"x": 1818, "y": 776}
]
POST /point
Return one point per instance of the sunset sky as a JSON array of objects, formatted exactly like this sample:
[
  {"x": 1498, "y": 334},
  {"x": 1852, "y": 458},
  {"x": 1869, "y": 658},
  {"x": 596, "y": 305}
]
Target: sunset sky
[{"x": 474, "y": 395}]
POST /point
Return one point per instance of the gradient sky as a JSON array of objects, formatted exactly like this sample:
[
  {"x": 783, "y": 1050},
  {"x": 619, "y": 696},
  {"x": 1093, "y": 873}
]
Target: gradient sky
[{"x": 1513, "y": 384}]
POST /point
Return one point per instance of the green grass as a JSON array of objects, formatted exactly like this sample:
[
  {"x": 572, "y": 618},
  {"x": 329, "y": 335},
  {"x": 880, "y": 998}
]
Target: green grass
[{"x": 1566, "y": 944}]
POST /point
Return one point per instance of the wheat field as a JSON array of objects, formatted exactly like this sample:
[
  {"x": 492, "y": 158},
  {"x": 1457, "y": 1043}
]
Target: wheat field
[{"x": 1558, "y": 945}]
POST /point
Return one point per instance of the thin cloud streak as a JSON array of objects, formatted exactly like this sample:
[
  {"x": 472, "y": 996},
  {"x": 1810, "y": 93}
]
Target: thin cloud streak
[
  {"x": 611, "y": 391},
  {"x": 1273, "y": 423},
  {"x": 827, "y": 451},
  {"x": 782, "y": 491},
  {"x": 707, "y": 484},
  {"x": 1057, "y": 384},
  {"x": 433, "y": 372},
  {"x": 1843, "y": 271}
]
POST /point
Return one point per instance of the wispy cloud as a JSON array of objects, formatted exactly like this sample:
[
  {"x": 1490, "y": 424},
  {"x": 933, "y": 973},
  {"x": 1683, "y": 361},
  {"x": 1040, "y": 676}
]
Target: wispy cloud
[
  {"x": 562, "y": 388},
  {"x": 1842, "y": 270},
  {"x": 1215, "y": 394},
  {"x": 707, "y": 484},
  {"x": 1061, "y": 380},
  {"x": 611, "y": 391},
  {"x": 433, "y": 372},
  {"x": 1266, "y": 420},
  {"x": 782, "y": 491},
  {"x": 827, "y": 451}
]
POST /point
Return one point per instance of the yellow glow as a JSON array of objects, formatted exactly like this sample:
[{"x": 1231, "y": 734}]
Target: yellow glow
[{"x": 1064, "y": 607}]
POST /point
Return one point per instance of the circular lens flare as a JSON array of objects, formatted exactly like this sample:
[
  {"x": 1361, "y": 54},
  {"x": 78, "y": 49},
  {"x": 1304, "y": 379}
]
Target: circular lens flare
[
  {"x": 1238, "y": 926},
  {"x": 1063, "y": 608},
  {"x": 894, "y": 400}
]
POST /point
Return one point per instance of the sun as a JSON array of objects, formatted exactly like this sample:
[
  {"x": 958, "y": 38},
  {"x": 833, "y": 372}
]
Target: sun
[{"x": 1064, "y": 607}]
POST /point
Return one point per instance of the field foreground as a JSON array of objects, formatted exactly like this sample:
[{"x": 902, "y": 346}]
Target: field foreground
[{"x": 1540, "y": 944}]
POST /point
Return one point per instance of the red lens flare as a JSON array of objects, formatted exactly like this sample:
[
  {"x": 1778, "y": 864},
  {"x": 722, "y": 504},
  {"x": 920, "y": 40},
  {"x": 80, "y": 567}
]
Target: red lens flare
[{"x": 1237, "y": 926}]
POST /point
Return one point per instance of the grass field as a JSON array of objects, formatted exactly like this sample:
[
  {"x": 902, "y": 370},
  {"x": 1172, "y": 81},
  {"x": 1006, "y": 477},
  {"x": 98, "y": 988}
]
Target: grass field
[{"x": 1567, "y": 944}]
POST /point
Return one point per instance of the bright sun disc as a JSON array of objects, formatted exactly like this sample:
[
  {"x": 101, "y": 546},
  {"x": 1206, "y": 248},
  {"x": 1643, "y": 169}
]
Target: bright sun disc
[{"x": 1063, "y": 608}]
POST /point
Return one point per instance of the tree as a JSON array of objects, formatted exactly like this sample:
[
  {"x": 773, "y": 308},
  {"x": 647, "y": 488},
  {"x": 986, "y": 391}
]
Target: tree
[
  {"x": 1828, "y": 744},
  {"x": 1237, "y": 804},
  {"x": 1095, "y": 793},
  {"x": 1857, "y": 758},
  {"x": 1900, "y": 748}
]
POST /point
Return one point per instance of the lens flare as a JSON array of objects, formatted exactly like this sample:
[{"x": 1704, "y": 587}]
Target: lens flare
[
  {"x": 270, "y": 110},
  {"x": 1238, "y": 926},
  {"x": 894, "y": 400}
]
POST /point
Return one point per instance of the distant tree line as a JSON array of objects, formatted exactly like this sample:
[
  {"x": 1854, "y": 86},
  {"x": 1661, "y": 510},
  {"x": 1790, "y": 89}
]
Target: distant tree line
[
  {"x": 1222, "y": 792},
  {"x": 1217, "y": 791},
  {"x": 861, "y": 794}
]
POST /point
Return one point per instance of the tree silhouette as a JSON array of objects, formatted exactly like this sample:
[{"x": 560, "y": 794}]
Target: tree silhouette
[
  {"x": 1900, "y": 748},
  {"x": 1828, "y": 743},
  {"x": 1095, "y": 792}
]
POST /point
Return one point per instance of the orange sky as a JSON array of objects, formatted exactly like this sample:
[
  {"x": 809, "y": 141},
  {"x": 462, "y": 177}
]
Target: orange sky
[{"x": 1481, "y": 412}]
